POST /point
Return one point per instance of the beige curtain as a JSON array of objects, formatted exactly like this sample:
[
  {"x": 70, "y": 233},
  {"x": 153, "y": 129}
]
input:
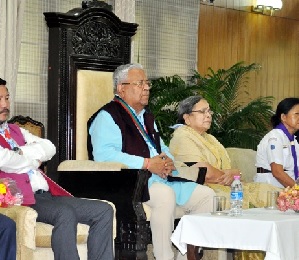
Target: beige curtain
[
  {"x": 166, "y": 39},
  {"x": 11, "y": 16},
  {"x": 125, "y": 11}
]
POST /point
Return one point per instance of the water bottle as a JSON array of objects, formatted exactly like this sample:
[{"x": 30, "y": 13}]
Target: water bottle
[{"x": 236, "y": 197}]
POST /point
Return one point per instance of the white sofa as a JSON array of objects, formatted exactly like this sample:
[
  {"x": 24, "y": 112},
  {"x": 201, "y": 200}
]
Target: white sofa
[{"x": 34, "y": 238}]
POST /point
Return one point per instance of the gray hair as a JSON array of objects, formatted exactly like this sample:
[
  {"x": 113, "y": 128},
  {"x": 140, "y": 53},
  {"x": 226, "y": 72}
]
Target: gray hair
[
  {"x": 121, "y": 73},
  {"x": 186, "y": 107}
]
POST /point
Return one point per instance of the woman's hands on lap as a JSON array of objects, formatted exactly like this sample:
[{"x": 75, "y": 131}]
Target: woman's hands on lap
[
  {"x": 216, "y": 176},
  {"x": 228, "y": 176}
]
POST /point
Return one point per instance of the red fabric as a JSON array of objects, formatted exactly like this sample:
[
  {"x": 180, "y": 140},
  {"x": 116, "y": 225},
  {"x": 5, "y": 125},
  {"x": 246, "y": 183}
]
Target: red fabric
[
  {"x": 3, "y": 143},
  {"x": 16, "y": 134},
  {"x": 23, "y": 183},
  {"x": 55, "y": 189}
]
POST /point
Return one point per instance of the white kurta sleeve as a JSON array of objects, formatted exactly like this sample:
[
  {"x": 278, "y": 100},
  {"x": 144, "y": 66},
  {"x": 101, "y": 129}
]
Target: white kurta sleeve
[{"x": 35, "y": 149}]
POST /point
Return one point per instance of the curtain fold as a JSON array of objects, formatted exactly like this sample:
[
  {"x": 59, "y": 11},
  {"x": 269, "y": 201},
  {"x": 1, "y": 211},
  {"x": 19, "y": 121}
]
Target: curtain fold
[
  {"x": 11, "y": 19},
  {"x": 125, "y": 11},
  {"x": 166, "y": 39}
]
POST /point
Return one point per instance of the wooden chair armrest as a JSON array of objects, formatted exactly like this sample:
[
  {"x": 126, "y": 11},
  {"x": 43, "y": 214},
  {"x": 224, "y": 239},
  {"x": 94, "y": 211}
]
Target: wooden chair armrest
[
  {"x": 89, "y": 165},
  {"x": 196, "y": 174}
]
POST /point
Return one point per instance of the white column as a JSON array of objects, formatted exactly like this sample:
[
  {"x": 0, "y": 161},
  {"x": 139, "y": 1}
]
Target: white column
[
  {"x": 125, "y": 11},
  {"x": 11, "y": 16}
]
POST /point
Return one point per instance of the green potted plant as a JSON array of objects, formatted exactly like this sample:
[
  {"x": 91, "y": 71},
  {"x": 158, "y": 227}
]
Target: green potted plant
[
  {"x": 165, "y": 95},
  {"x": 236, "y": 123}
]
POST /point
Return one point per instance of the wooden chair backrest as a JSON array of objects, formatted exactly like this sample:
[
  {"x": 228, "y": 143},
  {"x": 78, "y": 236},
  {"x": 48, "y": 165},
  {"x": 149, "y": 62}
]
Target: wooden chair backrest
[
  {"x": 33, "y": 126},
  {"x": 94, "y": 90}
]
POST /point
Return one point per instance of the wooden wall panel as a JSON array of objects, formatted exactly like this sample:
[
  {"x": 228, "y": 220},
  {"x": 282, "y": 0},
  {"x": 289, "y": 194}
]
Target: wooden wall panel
[{"x": 227, "y": 36}]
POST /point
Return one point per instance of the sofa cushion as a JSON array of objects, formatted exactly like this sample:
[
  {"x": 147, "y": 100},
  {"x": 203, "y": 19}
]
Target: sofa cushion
[
  {"x": 44, "y": 232},
  {"x": 88, "y": 165}
]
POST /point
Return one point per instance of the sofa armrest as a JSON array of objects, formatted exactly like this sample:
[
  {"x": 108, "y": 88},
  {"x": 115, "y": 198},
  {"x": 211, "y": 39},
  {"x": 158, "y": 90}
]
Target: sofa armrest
[
  {"x": 25, "y": 218},
  {"x": 193, "y": 173},
  {"x": 88, "y": 165}
]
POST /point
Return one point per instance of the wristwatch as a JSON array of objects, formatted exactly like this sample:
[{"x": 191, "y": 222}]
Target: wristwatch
[{"x": 16, "y": 150}]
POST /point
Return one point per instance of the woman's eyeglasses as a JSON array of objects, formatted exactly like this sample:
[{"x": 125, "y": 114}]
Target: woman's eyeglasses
[{"x": 203, "y": 112}]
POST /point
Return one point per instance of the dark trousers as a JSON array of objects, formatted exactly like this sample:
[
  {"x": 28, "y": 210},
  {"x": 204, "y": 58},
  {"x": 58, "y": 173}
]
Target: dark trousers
[
  {"x": 7, "y": 238},
  {"x": 64, "y": 213}
]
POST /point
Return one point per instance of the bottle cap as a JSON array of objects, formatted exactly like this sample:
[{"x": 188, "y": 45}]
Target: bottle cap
[{"x": 237, "y": 177}]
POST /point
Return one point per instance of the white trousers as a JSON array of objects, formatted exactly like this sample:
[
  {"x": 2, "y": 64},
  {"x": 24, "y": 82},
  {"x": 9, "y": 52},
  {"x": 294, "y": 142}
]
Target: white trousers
[{"x": 162, "y": 204}]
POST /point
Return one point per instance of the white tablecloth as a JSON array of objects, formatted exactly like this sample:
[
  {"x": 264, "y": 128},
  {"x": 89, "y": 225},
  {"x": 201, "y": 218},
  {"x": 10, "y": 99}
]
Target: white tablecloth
[{"x": 272, "y": 231}]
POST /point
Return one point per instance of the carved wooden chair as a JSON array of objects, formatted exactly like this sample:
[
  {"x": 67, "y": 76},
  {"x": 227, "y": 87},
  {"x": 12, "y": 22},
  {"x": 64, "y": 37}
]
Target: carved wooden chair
[
  {"x": 33, "y": 126},
  {"x": 79, "y": 83},
  {"x": 85, "y": 46},
  {"x": 110, "y": 181}
]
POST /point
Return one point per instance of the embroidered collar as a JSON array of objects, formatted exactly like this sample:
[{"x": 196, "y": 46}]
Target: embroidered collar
[
  {"x": 136, "y": 119},
  {"x": 3, "y": 127},
  {"x": 5, "y": 133}
]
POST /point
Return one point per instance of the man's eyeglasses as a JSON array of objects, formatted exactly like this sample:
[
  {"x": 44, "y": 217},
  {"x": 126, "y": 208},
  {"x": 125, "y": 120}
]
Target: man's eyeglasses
[
  {"x": 203, "y": 112},
  {"x": 140, "y": 83}
]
